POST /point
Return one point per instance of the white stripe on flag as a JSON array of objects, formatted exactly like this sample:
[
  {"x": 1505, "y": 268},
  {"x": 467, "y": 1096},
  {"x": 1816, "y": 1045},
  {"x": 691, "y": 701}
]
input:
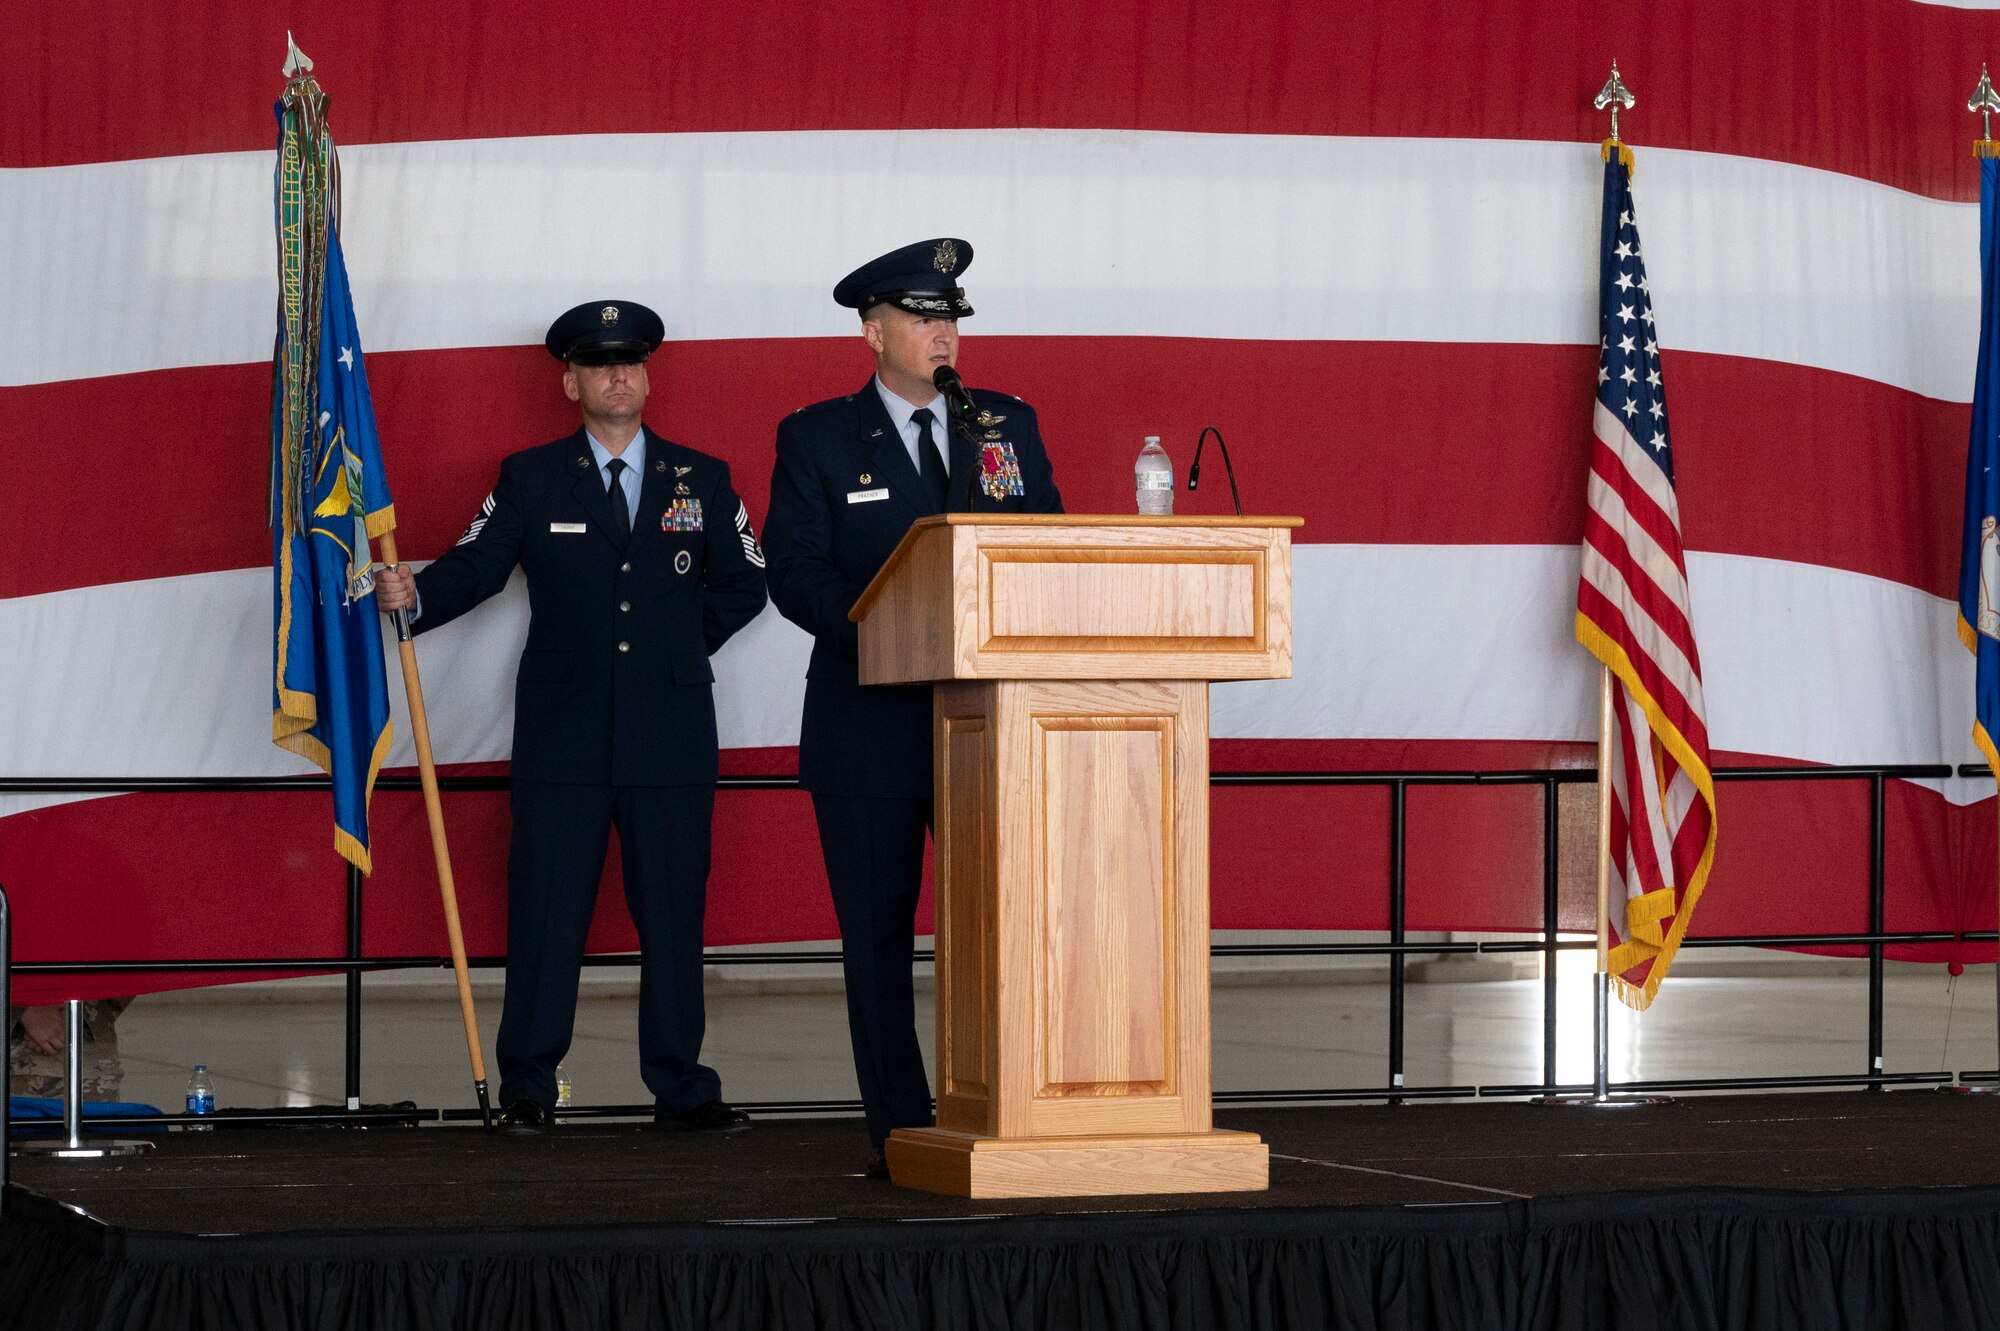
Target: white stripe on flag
[
  {"x": 1099, "y": 233},
  {"x": 1490, "y": 656}
]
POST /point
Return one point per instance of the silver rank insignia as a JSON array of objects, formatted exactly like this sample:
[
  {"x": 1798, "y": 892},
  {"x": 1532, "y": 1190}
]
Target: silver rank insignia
[{"x": 946, "y": 258}]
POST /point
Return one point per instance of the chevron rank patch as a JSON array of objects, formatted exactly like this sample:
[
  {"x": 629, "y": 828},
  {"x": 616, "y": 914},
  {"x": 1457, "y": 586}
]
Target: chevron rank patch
[{"x": 751, "y": 551}]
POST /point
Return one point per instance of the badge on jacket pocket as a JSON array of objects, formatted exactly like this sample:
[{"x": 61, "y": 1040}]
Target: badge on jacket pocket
[{"x": 682, "y": 515}]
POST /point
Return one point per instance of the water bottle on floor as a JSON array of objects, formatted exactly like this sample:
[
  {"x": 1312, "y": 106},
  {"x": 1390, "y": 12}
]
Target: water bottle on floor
[
  {"x": 562, "y": 1087},
  {"x": 1153, "y": 478},
  {"x": 200, "y": 1096}
]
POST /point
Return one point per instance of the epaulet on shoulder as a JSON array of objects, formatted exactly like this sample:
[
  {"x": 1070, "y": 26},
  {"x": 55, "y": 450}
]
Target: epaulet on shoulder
[
  {"x": 692, "y": 457},
  {"x": 994, "y": 392},
  {"x": 814, "y": 408}
]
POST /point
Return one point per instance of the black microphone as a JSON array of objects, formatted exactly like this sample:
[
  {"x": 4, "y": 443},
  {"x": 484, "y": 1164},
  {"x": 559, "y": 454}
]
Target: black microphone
[
  {"x": 964, "y": 412},
  {"x": 1194, "y": 468}
]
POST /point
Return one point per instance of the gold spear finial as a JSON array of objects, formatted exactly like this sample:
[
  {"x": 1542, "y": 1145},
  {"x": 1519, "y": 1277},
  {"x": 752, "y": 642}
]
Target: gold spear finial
[
  {"x": 1615, "y": 94},
  {"x": 1985, "y": 101}
]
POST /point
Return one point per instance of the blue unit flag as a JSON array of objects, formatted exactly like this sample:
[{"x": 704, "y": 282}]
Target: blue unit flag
[
  {"x": 1979, "y": 550},
  {"x": 329, "y": 497}
]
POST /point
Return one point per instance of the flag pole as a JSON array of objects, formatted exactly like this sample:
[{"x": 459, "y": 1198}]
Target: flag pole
[
  {"x": 1985, "y": 101},
  {"x": 1601, "y": 979},
  {"x": 420, "y": 732},
  {"x": 1614, "y": 96}
]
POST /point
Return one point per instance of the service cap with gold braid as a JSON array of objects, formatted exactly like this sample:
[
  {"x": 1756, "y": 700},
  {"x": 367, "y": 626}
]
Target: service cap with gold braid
[{"x": 921, "y": 278}]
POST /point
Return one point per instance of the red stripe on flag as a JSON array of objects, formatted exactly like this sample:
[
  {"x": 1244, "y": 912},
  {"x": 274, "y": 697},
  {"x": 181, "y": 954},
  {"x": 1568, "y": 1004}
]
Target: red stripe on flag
[
  {"x": 1647, "y": 595},
  {"x": 1665, "y": 693},
  {"x": 106, "y": 82},
  {"x": 1645, "y": 512},
  {"x": 1383, "y": 450}
]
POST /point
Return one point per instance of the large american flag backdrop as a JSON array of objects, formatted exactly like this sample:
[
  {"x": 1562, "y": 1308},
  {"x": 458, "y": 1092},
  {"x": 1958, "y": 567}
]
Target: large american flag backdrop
[{"x": 1359, "y": 238}]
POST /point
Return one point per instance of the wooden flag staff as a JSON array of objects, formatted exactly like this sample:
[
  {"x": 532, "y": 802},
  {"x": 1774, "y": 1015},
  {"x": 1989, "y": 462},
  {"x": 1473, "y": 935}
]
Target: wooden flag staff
[
  {"x": 420, "y": 732},
  {"x": 297, "y": 70}
]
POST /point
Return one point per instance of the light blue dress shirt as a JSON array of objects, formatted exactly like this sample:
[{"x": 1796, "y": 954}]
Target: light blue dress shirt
[
  {"x": 901, "y": 411},
  {"x": 635, "y": 467}
]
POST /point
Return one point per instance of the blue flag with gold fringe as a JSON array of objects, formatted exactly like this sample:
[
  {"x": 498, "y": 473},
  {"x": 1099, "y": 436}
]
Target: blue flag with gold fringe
[
  {"x": 1979, "y": 549},
  {"x": 329, "y": 495}
]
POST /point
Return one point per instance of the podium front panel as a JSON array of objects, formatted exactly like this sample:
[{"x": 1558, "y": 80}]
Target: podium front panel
[{"x": 1073, "y": 907}]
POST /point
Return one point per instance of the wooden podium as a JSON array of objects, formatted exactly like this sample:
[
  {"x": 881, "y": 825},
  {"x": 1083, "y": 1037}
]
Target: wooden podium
[{"x": 1072, "y": 657}]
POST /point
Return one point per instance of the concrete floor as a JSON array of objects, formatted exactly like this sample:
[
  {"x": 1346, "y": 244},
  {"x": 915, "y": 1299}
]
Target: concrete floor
[{"x": 282, "y": 1043}]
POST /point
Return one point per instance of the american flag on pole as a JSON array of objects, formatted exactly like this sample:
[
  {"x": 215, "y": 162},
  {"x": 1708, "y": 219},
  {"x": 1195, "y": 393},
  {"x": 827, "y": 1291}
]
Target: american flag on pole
[{"x": 1632, "y": 614}]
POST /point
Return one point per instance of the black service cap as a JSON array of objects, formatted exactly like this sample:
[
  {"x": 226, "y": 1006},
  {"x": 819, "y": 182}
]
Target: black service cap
[
  {"x": 921, "y": 278},
  {"x": 605, "y": 332}
]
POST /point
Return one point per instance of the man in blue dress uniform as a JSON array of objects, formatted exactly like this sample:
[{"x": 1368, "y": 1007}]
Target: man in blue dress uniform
[
  {"x": 640, "y": 563},
  {"x": 852, "y": 474}
]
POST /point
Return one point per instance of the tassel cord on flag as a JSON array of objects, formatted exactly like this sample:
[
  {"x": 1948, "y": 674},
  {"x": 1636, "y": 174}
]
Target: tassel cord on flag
[{"x": 420, "y": 733}]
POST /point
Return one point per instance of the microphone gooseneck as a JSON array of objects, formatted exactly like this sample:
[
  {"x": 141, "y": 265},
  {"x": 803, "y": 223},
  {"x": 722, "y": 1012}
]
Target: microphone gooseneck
[{"x": 1194, "y": 468}]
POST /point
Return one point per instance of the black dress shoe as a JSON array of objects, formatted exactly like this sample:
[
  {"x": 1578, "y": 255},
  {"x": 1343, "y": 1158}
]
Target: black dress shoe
[
  {"x": 717, "y": 1116},
  {"x": 878, "y": 1165},
  {"x": 525, "y": 1118}
]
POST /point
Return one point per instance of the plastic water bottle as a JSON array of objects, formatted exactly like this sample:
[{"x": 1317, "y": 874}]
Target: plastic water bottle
[
  {"x": 200, "y": 1096},
  {"x": 562, "y": 1087},
  {"x": 1153, "y": 478}
]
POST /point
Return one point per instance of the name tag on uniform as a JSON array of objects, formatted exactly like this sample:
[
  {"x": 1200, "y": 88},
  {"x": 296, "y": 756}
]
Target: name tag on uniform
[
  {"x": 568, "y": 526},
  {"x": 866, "y": 496}
]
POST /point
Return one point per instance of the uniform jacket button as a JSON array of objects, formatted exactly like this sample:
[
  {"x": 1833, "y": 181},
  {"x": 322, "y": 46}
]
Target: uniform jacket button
[
  {"x": 624, "y": 646},
  {"x": 624, "y": 605},
  {"x": 624, "y": 568}
]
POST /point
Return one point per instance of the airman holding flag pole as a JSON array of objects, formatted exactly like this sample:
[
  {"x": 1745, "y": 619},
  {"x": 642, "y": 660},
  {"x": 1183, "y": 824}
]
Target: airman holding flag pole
[{"x": 329, "y": 499}]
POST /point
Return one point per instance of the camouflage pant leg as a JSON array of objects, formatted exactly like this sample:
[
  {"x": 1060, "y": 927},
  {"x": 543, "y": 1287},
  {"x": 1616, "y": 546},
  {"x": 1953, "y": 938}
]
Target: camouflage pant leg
[{"x": 33, "y": 1073}]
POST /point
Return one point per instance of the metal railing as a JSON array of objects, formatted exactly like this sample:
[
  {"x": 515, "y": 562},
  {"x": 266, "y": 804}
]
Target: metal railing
[{"x": 1396, "y": 950}]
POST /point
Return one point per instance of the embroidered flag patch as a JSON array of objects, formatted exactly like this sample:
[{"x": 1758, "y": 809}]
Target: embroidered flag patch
[{"x": 682, "y": 515}]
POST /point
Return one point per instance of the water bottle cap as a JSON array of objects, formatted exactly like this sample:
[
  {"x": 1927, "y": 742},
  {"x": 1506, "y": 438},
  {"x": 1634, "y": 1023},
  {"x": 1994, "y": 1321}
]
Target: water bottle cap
[
  {"x": 201, "y": 1067},
  {"x": 1152, "y": 439}
]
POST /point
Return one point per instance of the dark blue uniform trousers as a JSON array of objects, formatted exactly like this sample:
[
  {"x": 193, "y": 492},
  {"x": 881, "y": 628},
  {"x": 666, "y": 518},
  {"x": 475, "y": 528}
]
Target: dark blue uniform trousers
[
  {"x": 554, "y": 864},
  {"x": 874, "y": 850}
]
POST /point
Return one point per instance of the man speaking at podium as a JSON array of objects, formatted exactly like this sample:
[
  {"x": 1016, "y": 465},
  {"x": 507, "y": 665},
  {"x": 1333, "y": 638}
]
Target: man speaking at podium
[{"x": 852, "y": 474}]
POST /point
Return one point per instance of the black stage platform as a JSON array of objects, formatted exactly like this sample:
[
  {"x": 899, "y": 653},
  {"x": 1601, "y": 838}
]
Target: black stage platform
[{"x": 1820, "y": 1211}]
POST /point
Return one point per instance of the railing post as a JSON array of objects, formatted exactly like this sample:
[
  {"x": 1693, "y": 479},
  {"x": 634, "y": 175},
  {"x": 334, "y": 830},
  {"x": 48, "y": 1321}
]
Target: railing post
[
  {"x": 1398, "y": 792},
  {"x": 1876, "y": 915},
  {"x": 7, "y": 993},
  {"x": 353, "y": 988},
  {"x": 1551, "y": 922}
]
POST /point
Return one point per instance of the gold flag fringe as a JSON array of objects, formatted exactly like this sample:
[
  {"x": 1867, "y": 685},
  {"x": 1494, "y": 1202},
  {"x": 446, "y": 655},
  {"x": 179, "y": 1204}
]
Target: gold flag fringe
[{"x": 1606, "y": 148}]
